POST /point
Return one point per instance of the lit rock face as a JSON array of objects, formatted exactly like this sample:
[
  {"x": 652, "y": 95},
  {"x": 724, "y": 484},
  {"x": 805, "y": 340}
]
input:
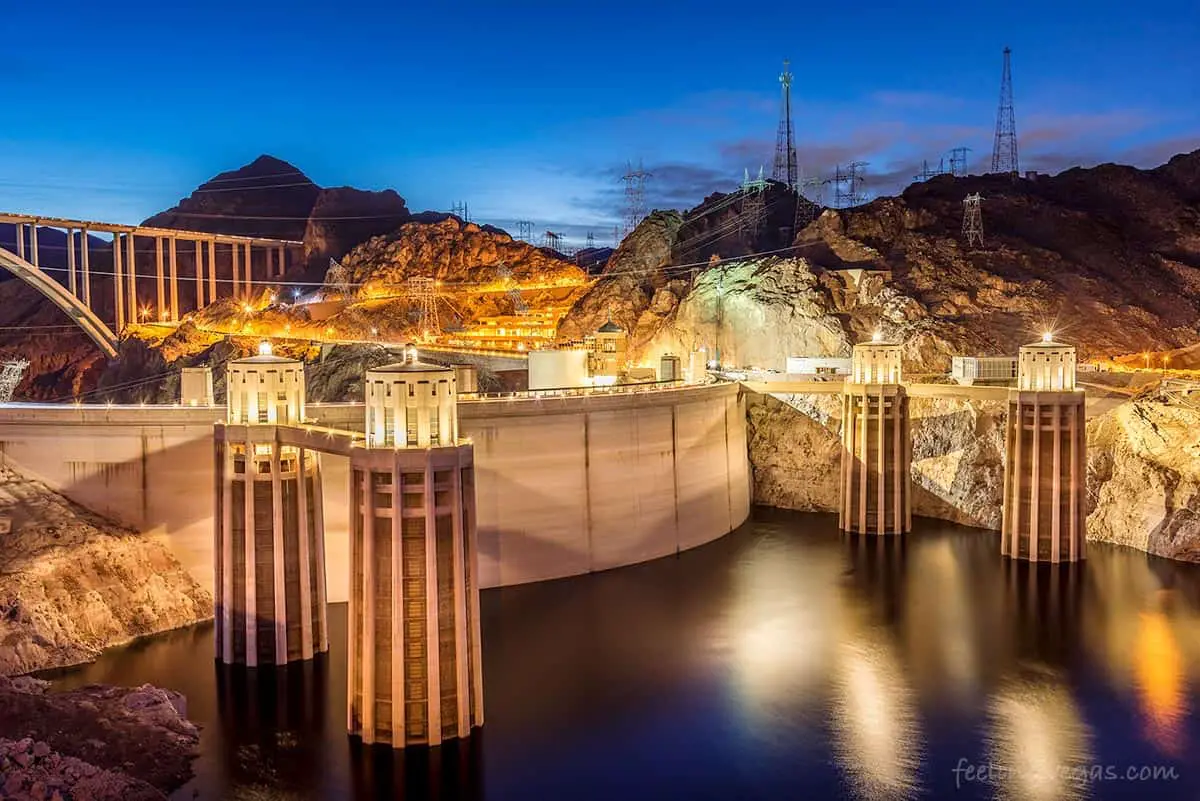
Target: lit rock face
[
  {"x": 97, "y": 742},
  {"x": 1144, "y": 478},
  {"x": 451, "y": 250},
  {"x": 71, "y": 583},
  {"x": 957, "y": 460}
]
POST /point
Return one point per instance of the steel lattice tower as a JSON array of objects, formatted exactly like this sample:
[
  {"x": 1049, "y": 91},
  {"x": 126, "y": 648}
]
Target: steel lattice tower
[
  {"x": 754, "y": 206},
  {"x": 635, "y": 196},
  {"x": 973, "y": 220},
  {"x": 958, "y": 161},
  {"x": 422, "y": 294},
  {"x": 526, "y": 230},
  {"x": 785, "y": 143},
  {"x": 591, "y": 241},
  {"x": 1004, "y": 151}
]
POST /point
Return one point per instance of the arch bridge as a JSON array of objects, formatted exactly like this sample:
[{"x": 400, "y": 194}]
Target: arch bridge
[{"x": 234, "y": 264}]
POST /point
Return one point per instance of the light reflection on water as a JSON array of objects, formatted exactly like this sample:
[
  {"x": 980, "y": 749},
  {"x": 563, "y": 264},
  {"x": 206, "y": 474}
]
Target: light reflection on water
[{"x": 781, "y": 661}]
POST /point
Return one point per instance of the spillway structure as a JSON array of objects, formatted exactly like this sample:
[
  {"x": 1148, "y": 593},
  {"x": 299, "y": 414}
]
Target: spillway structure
[
  {"x": 876, "y": 443},
  {"x": 269, "y": 532},
  {"x": 415, "y": 675},
  {"x": 1045, "y": 469}
]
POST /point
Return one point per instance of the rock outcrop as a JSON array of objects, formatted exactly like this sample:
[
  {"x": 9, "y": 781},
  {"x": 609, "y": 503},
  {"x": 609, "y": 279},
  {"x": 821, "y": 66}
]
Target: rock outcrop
[
  {"x": 1144, "y": 477},
  {"x": 958, "y": 455},
  {"x": 98, "y": 743},
  {"x": 72, "y": 583},
  {"x": 1143, "y": 465}
]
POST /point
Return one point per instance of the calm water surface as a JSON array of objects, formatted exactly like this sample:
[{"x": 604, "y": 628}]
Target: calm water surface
[{"x": 783, "y": 661}]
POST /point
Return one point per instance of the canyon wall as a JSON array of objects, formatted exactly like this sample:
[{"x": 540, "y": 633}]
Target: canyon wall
[
  {"x": 73, "y": 583},
  {"x": 1143, "y": 464}
]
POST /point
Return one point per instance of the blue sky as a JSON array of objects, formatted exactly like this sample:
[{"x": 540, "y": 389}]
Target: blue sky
[{"x": 530, "y": 110}]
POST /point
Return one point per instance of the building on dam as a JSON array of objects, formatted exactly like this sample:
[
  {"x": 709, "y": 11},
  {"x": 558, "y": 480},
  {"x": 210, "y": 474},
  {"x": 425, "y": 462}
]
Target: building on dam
[
  {"x": 269, "y": 552},
  {"x": 415, "y": 675}
]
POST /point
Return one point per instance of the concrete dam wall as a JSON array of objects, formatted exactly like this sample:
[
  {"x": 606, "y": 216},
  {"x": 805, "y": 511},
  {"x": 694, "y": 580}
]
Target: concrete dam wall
[{"x": 564, "y": 485}]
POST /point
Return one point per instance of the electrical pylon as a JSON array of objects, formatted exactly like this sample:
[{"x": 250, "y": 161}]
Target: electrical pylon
[
  {"x": 785, "y": 169},
  {"x": 1004, "y": 150},
  {"x": 973, "y": 220}
]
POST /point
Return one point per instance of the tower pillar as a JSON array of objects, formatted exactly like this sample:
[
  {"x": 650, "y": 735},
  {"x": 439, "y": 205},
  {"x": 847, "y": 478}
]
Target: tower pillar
[
  {"x": 415, "y": 673},
  {"x": 1045, "y": 471},
  {"x": 270, "y": 598},
  {"x": 876, "y": 444}
]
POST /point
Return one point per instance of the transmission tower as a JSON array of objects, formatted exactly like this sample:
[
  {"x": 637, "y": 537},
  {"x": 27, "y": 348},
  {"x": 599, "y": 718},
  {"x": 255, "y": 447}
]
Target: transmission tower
[
  {"x": 754, "y": 204},
  {"x": 848, "y": 185},
  {"x": 338, "y": 279},
  {"x": 810, "y": 197},
  {"x": 616, "y": 237},
  {"x": 513, "y": 293},
  {"x": 635, "y": 196},
  {"x": 553, "y": 241},
  {"x": 1004, "y": 151},
  {"x": 421, "y": 292},
  {"x": 785, "y": 169},
  {"x": 973, "y": 220},
  {"x": 460, "y": 211},
  {"x": 591, "y": 241},
  {"x": 526, "y": 230},
  {"x": 10, "y": 375},
  {"x": 928, "y": 172},
  {"x": 958, "y": 161}
]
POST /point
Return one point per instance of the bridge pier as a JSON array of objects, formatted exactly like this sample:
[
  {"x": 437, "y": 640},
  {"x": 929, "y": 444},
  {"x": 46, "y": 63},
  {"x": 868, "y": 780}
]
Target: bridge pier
[
  {"x": 270, "y": 571},
  {"x": 876, "y": 444},
  {"x": 1046, "y": 467},
  {"x": 415, "y": 673}
]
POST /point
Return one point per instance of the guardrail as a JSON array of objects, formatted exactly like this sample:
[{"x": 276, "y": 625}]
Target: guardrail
[{"x": 576, "y": 392}]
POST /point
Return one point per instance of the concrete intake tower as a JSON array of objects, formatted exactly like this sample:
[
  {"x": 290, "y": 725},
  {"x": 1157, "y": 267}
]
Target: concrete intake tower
[
  {"x": 415, "y": 674},
  {"x": 876, "y": 444},
  {"x": 270, "y": 539},
  {"x": 1045, "y": 469}
]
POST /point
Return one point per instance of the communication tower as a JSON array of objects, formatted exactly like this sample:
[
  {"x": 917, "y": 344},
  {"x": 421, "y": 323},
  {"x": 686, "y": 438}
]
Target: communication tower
[{"x": 785, "y": 169}]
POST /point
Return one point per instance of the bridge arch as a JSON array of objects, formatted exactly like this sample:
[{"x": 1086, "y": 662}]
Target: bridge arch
[{"x": 74, "y": 308}]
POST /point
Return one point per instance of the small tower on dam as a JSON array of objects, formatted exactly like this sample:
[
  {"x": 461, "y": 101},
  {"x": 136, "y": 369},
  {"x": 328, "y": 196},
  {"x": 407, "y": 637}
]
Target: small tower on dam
[
  {"x": 415, "y": 675},
  {"x": 1045, "y": 469},
  {"x": 876, "y": 444},
  {"x": 270, "y": 544}
]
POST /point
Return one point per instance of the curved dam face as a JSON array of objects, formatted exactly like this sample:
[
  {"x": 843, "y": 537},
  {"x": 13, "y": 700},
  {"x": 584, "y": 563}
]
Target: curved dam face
[{"x": 564, "y": 486}]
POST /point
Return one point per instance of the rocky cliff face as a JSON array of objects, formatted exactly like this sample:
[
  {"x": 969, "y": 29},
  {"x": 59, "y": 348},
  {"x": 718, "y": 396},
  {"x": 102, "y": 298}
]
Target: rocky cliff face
[
  {"x": 1143, "y": 465},
  {"x": 1109, "y": 257},
  {"x": 1144, "y": 477},
  {"x": 958, "y": 455},
  {"x": 72, "y": 583}
]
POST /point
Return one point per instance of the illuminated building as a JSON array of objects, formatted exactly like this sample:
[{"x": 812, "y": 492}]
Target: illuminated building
[
  {"x": 196, "y": 386},
  {"x": 270, "y": 557},
  {"x": 609, "y": 351},
  {"x": 1045, "y": 469},
  {"x": 415, "y": 676},
  {"x": 876, "y": 444}
]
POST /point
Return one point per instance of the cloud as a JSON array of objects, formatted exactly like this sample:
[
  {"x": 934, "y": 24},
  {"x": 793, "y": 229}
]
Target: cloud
[{"x": 1048, "y": 129}]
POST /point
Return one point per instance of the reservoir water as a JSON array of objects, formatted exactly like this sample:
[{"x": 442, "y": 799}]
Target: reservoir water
[{"x": 783, "y": 661}]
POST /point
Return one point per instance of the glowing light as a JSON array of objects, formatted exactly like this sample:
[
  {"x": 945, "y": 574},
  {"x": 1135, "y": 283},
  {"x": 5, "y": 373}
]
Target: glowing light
[
  {"x": 247, "y": 308},
  {"x": 1047, "y": 336},
  {"x": 264, "y": 348},
  {"x": 296, "y": 294},
  {"x": 374, "y": 332},
  {"x": 1158, "y": 669},
  {"x": 877, "y": 336}
]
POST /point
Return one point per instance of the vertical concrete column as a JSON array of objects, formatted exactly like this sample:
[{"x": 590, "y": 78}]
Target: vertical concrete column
[
  {"x": 199, "y": 261},
  {"x": 305, "y": 549},
  {"x": 20, "y": 227},
  {"x": 160, "y": 288},
  {"x": 876, "y": 453},
  {"x": 212, "y": 270},
  {"x": 249, "y": 273},
  {"x": 118, "y": 289},
  {"x": 233, "y": 266},
  {"x": 131, "y": 275},
  {"x": 72, "y": 285},
  {"x": 33, "y": 244},
  {"x": 87, "y": 270},
  {"x": 269, "y": 253},
  {"x": 250, "y": 556},
  {"x": 282, "y": 261},
  {"x": 174, "y": 275}
]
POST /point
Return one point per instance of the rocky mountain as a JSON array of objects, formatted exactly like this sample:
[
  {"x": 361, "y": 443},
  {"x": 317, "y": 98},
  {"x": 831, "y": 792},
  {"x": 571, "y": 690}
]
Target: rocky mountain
[{"x": 1108, "y": 257}]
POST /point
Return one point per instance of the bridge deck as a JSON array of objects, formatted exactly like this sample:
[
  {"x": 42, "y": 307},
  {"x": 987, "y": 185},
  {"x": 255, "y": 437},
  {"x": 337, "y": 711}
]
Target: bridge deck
[{"x": 143, "y": 230}]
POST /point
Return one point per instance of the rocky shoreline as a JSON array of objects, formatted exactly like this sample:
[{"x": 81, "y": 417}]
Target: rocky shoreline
[{"x": 96, "y": 743}]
